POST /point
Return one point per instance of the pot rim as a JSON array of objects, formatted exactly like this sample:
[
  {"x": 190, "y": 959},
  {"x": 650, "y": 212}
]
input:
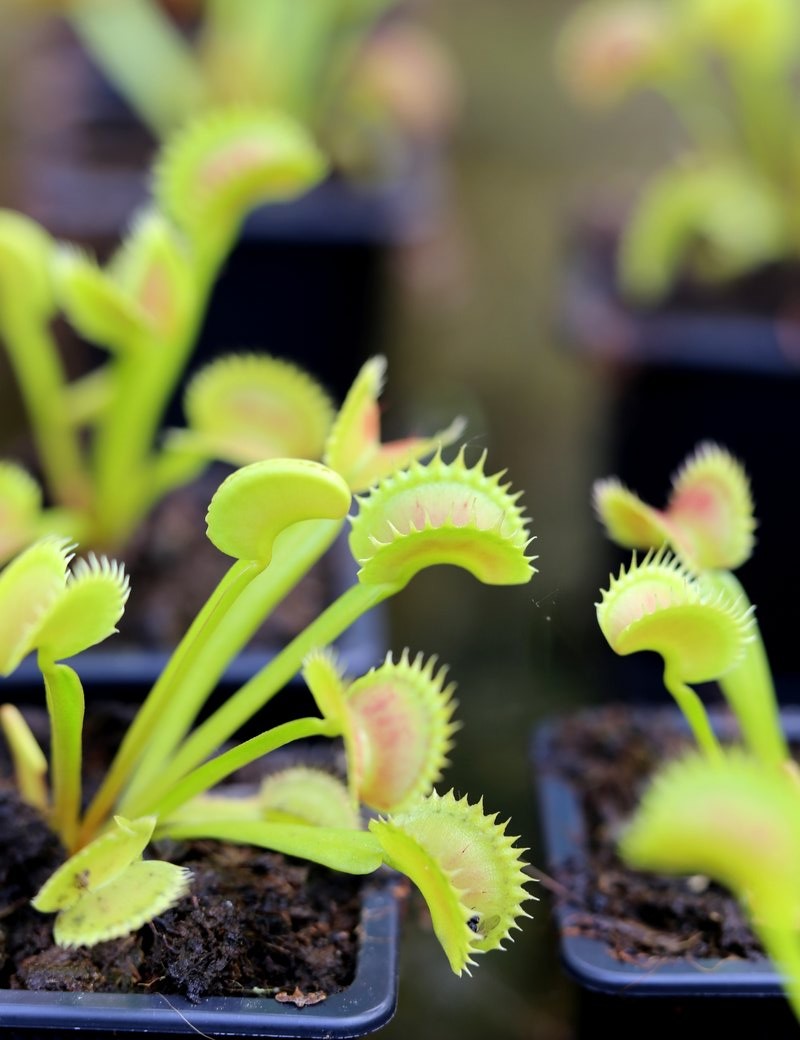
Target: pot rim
[{"x": 587, "y": 960}]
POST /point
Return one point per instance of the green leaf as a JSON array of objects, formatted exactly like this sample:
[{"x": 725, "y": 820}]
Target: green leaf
[
  {"x": 96, "y": 864},
  {"x": 441, "y": 513},
  {"x": 20, "y": 506},
  {"x": 714, "y": 220},
  {"x": 301, "y": 794},
  {"x": 467, "y": 868},
  {"x": 86, "y": 611},
  {"x": 30, "y": 764},
  {"x": 609, "y": 48},
  {"x": 354, "y": 446},
  {"x": 351, "y": 851},
  {"x": 96, "y": 306},
  {"x": 141, "y": 892},
  {"x": 25, "y": 255},
  {"x": 28, "y": 586},
  {"x": 760, "y": 33},
  {"x": 396, "y": 722},
  {"x": 155, "y": 268},
  {"x": 708, "y": 520},
  {"x": 658, "y": 605},
  {"x": 402, "y": 715},
  {"x": 230, "y": 160},
  {"x": 65, "y": 708},
  {"x": 145, "y": 293},
  {"x": 733, "y": 819},
  {"x": 244, "y": 408},
  {"x": 712, "y": 509},
  {"x": 256, "y": 503}
]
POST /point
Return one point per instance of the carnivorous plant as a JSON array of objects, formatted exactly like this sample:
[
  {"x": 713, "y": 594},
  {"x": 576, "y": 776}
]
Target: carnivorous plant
[
  {"x": 727, "y": 70},
  {"x": 732, "y": 812},
  {"x": 96, "y": 436},
  {"x": 322, "y": 61},
  {"x": 396, "y": 722},
  {"x": 104, "y": 463}
]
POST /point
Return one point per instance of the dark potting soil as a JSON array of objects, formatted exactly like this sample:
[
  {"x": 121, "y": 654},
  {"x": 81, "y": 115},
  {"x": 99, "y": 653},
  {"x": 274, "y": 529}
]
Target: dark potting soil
[
  {"x": 254, "y": 922},
  {"x": 608, "y": 757}
]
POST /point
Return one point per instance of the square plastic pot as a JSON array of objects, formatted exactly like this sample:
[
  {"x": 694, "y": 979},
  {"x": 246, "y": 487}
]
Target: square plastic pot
[
  {"x": 364, "y": 1007},
  {"x": 668, "y": 996}
]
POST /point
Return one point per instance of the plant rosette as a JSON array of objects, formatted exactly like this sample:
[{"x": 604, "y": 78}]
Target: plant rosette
[
  {"x": 716, "y": 811},
  {"x": 394, "y": 723}
]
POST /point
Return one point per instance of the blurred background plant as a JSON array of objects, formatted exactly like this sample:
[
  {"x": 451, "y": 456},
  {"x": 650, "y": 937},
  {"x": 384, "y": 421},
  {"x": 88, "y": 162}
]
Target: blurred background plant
[
  {"x": 359, "y": 73},
  {"x": 725, "y": 202}
]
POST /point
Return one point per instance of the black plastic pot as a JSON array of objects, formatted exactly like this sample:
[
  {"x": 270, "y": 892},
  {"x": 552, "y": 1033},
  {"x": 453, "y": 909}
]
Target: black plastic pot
[
  {"x": 692, "y": 998},
  {"x": 720, "y": 365},
  {"x": 364, "y": 1007}
]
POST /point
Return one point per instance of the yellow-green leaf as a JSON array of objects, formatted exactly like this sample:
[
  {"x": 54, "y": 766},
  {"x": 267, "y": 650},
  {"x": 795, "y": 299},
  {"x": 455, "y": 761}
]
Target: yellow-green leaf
[
  {"x": 20, "y": 506},
  {"x": 141, "y": 892},
  {"x": 229, "y": 160},
  {"x": 95, "y": 304},
  {"x": 28, "y": 586},
  {"x": 441, "y": 513},
  {"x": 155, "y": 268},
  {"x": 732, "y": 818},
  {"x": 402, "y": 717},
  {"x": 96, "y": 864},
  {"x": 301, "y": 794},
  {"x": 658, "y": 605},
  {"x": 25, "y": 256},
  {"x": 256, "y": 503},
  {"x": 354, "y": 446},
  {"x": 86, "y": 611},
  {"x": 468, "y": 869},
  {"x": 711, "y": 510},
  {"x": 247, "y": 407}
]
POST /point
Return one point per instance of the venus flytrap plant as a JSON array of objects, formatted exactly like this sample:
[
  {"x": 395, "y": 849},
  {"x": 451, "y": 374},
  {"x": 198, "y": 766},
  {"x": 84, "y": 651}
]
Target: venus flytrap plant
[
  {"x": 732, "y": 813},
  {"x": 657, "y": 605},
  {"x": 96, "y": 437},
  {"x": 244, "y": 408},
  {"x": 57, "y": 612},
  {"x": 396, "y": 721},
  {"x": 275, "y": 54},
  {"x": 425, "y": 515},
  {"x": 315, "y": 61},
  {"x": 725, "y": 68},
  {"x": 251, "y": 591},
  {"x": 465, "y": 865},
  {"x": 708, "y": 523},
  {"x": 354, "y": 446}
]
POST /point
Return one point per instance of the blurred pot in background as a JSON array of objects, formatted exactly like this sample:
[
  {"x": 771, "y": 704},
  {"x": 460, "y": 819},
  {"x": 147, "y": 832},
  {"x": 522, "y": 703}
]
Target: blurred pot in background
[{"x": 687, "y": 300}]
